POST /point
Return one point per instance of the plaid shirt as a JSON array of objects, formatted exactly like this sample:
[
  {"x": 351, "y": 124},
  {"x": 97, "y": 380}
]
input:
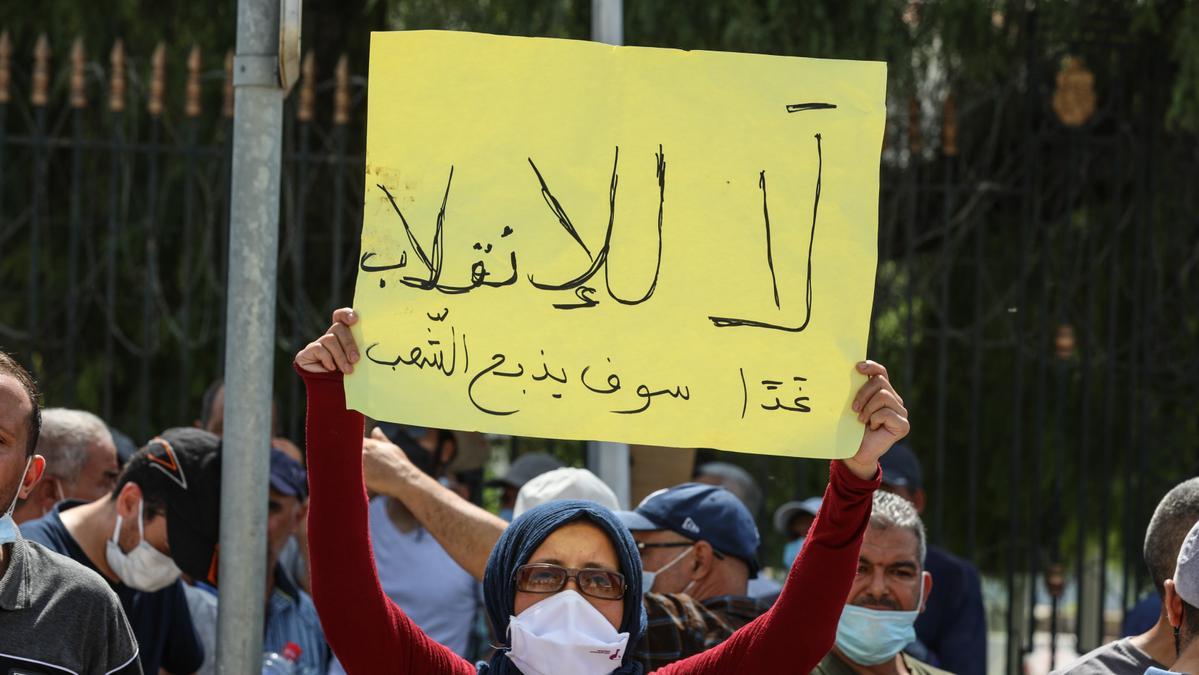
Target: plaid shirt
[{"x": 680, "y": 625}]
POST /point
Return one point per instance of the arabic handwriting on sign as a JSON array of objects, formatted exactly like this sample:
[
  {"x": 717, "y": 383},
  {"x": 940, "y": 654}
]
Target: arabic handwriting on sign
[
  {"x": 434, "y": 259},
  {"x": 430, "y": 355},
  {"x": 647, "y": 397},
  {"x": 381, "y": 268},
  {"x": 497, "y": 360},
  {"x": 546, "y": 374},
  {"x": 728, "y": 322},
  {"x": 798, "y": 403},
  {"x": 613, "y": 382},
  {"x": 599, "y": 259},
  {"x": 501, "y": 366}
]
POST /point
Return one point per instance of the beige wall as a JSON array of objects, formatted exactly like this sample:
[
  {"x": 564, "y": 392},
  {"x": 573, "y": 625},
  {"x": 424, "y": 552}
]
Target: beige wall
[{"x": 653, "y": 468}]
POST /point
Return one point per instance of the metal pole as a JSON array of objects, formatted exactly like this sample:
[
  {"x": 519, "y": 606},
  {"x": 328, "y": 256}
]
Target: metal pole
[
  {"x": 607, "y": 21},
  {"x": 610, "y": 461},
  {"x": 250, "y": 332}
]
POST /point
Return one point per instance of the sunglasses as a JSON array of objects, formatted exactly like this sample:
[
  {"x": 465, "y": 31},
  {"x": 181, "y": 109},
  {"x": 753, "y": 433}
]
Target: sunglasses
[{"x": 547, "y": 578}]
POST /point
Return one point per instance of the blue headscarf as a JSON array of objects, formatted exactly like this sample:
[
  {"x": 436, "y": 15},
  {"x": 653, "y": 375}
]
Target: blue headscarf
[{"x": 515, "y": 548}]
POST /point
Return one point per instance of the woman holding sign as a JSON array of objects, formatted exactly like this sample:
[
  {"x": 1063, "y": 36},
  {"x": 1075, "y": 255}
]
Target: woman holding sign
[{"x": 563, "y": 584}]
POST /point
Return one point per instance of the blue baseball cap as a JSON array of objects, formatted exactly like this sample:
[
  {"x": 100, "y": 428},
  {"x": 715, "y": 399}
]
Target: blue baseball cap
[
  {"x": 700, "y": 512},
  {"x": 287, "y": 476},
  {"x": 901, "y": 468}
]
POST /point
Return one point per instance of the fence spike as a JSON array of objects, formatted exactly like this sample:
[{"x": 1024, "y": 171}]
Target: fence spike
[
  {"x": 158, "y": 79},
  {"x": 78, "y": 74},
  {"x": 116, "y": 86},
  {"x": 194, "y": 62},
  {"x": 1074, "y": 95},
  {"x": 341, "y": 91},
  {"x": 227, "y": 104},
  {"x": 949, "y": 127},
  {"x": 1064, "y": 341},
  {"x": 307, "y": 88},
  {"x": 915, "y": 140},
  {"x": 5, "y": 67},
  {"x": 41, "y": 72}
]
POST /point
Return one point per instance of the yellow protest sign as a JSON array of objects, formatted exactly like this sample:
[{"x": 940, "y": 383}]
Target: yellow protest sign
[{"x": 572, "y": 240}]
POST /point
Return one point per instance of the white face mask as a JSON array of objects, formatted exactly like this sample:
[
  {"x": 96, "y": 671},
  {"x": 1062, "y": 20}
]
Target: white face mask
[
  {"x": 8, "y": 526},
  {"x": 144, "y": 568},
  {"x": 647, "y": 577},
  {"x": 565, "y": 634}
]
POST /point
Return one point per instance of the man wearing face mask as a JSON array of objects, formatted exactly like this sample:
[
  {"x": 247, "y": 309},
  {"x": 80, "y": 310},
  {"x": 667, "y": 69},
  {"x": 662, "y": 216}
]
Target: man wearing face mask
[
  {"x": 792, "y": 520},
  {"x": 952, "y": 631},
  {"x": 161, "y": 519},
  {"x": 43, "y": 594},
  {"x": 698, "y": 545},
  {"x": 888, "y": 593}
]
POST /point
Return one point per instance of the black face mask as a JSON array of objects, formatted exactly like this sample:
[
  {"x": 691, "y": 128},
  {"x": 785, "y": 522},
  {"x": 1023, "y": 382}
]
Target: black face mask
[{"x": 423, "y": 459}]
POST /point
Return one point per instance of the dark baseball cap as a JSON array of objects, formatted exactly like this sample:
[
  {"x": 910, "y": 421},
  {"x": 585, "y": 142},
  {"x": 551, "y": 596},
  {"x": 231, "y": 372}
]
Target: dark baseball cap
[
  {"x": 287, "y": 476},
  {"x": 125, "y": 445},
  {"x": 901, "y": 468},
  {"x": 182, "y": 467},
  {"x": 700, "y": 512},
  {"x": 525, "y": 468}
]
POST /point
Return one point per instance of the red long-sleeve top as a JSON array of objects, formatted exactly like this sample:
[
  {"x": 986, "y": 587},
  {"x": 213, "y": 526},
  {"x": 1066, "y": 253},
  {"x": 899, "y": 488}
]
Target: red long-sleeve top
[{"x": 371, "y": 635}]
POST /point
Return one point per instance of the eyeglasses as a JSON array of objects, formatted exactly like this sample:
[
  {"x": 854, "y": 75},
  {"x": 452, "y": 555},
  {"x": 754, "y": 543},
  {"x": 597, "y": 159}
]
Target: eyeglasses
[
  {"x": 547, "y": 578},
  {"x": 641, "y": 546}
]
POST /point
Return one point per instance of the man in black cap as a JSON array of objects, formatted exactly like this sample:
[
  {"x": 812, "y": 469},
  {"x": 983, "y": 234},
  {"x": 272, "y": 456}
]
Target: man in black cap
[
  {"x": 951, "y": 633},
  {"x": 699, "y": 547},
  {"x": 526, "y": 467},
  {"x": 162, "y": 519}
]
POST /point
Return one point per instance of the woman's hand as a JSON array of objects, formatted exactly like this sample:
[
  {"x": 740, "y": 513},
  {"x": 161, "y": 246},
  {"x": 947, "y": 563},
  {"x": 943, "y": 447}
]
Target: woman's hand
[
  {"x": 335, "y": 350},
  {"x": 881, "y": 409}
]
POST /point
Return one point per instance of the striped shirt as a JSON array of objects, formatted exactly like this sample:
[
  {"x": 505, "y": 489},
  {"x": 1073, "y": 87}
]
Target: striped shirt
[{"x": 291, "y": 617}]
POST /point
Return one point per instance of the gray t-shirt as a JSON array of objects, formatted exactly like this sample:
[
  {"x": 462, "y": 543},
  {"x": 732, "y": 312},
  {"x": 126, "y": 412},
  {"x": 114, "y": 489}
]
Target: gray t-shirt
[
  {"x": 57, "y": 616},
  {"x": 1116, "y": 658}
]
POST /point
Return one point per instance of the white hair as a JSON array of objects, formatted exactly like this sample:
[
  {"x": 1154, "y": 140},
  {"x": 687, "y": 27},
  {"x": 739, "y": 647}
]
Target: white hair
[
  {"x": 891, "y": 510},
  {"x": 66, "y": 439}
]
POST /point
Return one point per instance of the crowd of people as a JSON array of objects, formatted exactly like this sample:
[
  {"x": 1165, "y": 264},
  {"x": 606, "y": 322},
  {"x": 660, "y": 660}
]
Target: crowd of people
[{"x": 377, "y": 562}]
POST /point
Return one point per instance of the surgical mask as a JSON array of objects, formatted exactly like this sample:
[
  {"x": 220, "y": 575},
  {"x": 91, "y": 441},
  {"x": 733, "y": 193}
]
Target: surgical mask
[
  {"x": 647, "y": 577},
  {"x": 8, "y": 526},
  {"x": 144, "y": 568},
  {"x": 872, "y": 636},
  {"x": 791, "y": 552},
  {"x": 564, "y": 634}
]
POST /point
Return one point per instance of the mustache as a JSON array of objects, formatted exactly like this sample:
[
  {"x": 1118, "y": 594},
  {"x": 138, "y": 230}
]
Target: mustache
[{"x": 868, "y": 600}]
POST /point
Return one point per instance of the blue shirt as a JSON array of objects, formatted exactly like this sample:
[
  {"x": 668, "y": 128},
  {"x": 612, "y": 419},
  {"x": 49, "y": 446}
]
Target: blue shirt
[
  {"x": 1142, "y": 616},
  {"x": 160, "y": 620},
  {"x": 1158, "y": 671},
  {"x": 291, "y": 617},
  {"x": 953, "y": 626}
]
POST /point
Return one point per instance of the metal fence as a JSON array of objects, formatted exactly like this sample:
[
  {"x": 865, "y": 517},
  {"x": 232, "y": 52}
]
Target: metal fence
[
  {"x": 114, "y": 212},
  {"x": 1036, "y": 294}
]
